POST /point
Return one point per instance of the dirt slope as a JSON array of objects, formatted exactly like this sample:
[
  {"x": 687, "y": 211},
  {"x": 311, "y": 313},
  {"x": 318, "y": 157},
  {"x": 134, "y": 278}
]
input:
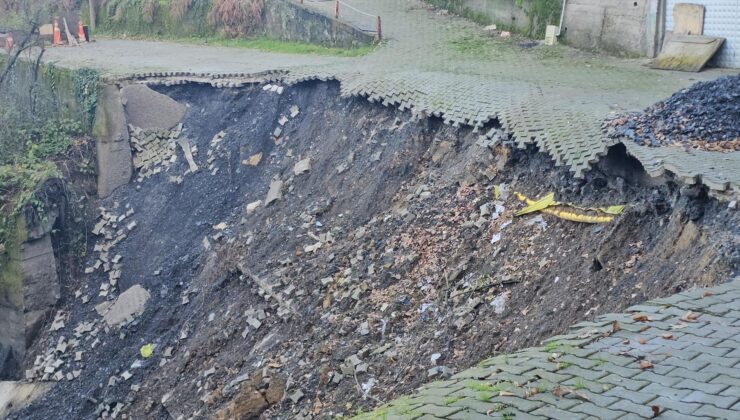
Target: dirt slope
[{"x": 373, "y": 273}]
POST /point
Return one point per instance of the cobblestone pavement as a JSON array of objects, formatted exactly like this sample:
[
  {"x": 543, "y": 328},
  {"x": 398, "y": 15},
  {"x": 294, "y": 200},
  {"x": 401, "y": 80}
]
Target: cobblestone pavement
[
  {"x": 554, "y": 97},
  {"x": 678, "y": 357}
]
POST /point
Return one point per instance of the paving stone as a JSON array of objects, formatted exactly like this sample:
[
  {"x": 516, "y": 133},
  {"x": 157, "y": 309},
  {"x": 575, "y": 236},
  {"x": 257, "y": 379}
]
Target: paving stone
[
  {"x": 469, "y": 415},
  {"x": 681, "y": 407},
  {"x": 441, "y": 392},
  {"x": 634, "y": 396},
  {"x": 515, "y": 369},
  {"x": 592, "y": 386},
  {"x": 473, "y": 404},
  {"x": 700, "y": 386},
  {"x": 715, "y": 412},
  {"x": 693, "y": 374},
  {"x": 557, "y": 414},
  {"x": 520, "y": 403},
  {"x": 550, "y": 376},
  {"x": 557, "y": 402},
  {"x": 651, "y": 377},
  {"x": 603, "y": 358},
  {"x": 673, "y": 415},
  {"x": 438, "y": 411},
  {"x": 707, "y": 348},
  {"x": 643, "y": 410},
  {"x": 730, "y": 343},
  {"x": 625, "y": 382},
  {"x": 715, "y": 400},
  {"x": 727, "y": 380},
  {"x": 473, "y": 373},
  {"x": 597, "y": 411},
  {"x": 663, "y": 391},
  {"x": 587, "y": 374}
]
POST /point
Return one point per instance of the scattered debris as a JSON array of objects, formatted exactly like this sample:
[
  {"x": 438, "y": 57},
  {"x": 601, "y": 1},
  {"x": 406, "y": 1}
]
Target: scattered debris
[{"x": 548, "y": 205}]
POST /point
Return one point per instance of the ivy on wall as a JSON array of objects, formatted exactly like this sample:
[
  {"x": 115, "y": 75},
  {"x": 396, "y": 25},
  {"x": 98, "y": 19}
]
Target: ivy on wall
[
  {"x": 540, "y": 14},
  {"x": 87, "y": 88}
]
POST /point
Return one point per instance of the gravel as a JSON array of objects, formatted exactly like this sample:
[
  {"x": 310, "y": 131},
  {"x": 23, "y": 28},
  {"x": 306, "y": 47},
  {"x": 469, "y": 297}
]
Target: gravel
[{"x": 703, "y": 116}]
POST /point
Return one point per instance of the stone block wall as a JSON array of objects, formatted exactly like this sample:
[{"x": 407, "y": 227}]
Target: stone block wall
[{"x": 29, "y": 289}]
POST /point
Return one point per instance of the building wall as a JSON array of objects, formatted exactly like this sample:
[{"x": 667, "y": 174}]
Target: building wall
[
  {"x": 721, "y": 18},
  {"x": 619, "y": 27}
]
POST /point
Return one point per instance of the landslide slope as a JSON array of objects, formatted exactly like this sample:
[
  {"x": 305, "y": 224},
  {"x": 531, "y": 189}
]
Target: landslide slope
[{"x": 389, "y": 256}]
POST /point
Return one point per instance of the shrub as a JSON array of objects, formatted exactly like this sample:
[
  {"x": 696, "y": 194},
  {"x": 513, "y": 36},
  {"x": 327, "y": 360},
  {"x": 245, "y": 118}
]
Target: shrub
[
  {"x": 236, "y": 18},
  {"x": 149, "y": 11},
  {"x": 179, "y": 8}
]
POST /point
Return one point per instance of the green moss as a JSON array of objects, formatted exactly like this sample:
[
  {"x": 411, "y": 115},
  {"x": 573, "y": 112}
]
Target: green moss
[
  {"x": 11, "y": 274},
  {"x": 451, "y": 400},
  {"x": 540, "y": 13}
]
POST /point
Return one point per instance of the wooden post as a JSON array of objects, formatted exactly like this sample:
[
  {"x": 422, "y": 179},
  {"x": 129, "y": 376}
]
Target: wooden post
[
  {"x": 380, "y": 30},
  {"x": 93, "y": 15},
  {"x": 336, "y": 9}
]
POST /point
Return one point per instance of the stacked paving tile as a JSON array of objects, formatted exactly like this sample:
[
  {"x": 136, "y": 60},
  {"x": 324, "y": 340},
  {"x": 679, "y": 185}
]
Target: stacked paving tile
[{"x": 678, "y": 357}]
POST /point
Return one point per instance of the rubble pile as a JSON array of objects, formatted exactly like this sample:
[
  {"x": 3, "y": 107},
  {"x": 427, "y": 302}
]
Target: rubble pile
[
  {"x": 704, "y": 116},
  {"x": 154, "y": 150}
]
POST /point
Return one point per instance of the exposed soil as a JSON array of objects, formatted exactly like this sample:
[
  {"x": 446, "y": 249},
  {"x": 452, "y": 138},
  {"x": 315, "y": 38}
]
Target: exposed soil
[
  {"x": 375, "y": 271},
  {"x": 704, "y": 116}
]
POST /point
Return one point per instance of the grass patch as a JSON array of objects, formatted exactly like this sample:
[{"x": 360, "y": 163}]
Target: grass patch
[
  {"x": 563, "y": 365},
  {"x": 484, "y": 396},
  {"x": 474, "y": 45},
  {"x": 451, "y": 400},
  {"x": 579, "y": 384},
  {"x": 266, "y": 45},
  {"x": 457, "y": 7}
]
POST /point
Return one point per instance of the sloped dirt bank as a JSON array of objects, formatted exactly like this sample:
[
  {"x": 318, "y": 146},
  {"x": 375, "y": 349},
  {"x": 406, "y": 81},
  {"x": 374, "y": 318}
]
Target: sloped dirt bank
[{"x": 373, "y": 270}]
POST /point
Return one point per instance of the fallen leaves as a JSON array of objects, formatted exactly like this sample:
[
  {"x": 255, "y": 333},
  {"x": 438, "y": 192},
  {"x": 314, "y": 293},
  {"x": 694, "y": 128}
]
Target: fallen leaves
[
  {"x": 641, "y": 318},
  {"x": 646, "y": 364},
  {"x": 615, "y": 327},
  {"x": 689, "y": 316},
  {"x": 562, "y": 391},
  {"x": 656, "y": 411},
  {"x": 667, "y": 336}
]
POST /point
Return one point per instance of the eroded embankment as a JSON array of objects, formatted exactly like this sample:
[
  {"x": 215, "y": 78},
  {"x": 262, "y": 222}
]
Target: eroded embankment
[{"x": 373, "y": 268}]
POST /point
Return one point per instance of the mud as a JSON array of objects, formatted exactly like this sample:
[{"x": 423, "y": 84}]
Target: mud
[{"x": 279, "y": 319}]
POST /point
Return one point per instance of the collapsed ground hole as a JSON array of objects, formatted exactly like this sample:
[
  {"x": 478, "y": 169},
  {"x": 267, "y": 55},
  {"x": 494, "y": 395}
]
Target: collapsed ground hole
[{"x": 382, "y": 267}]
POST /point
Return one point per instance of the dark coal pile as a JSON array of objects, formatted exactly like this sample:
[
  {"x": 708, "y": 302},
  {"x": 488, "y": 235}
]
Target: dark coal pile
[{"x": 705, "y": 116}]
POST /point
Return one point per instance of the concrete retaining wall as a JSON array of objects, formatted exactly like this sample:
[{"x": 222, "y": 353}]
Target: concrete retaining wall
[
  {"x": 619, "y": 27},
  {"x": 285, "y": 20},
  {"x": 504, "y": 13}
]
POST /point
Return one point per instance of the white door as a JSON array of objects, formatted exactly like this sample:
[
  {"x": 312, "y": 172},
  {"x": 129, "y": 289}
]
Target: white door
[{"x": 721, "y": 18}]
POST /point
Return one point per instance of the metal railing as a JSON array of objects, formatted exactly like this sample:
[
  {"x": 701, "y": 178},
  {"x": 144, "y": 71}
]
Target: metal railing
[{"x": 364, "y": 21}]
